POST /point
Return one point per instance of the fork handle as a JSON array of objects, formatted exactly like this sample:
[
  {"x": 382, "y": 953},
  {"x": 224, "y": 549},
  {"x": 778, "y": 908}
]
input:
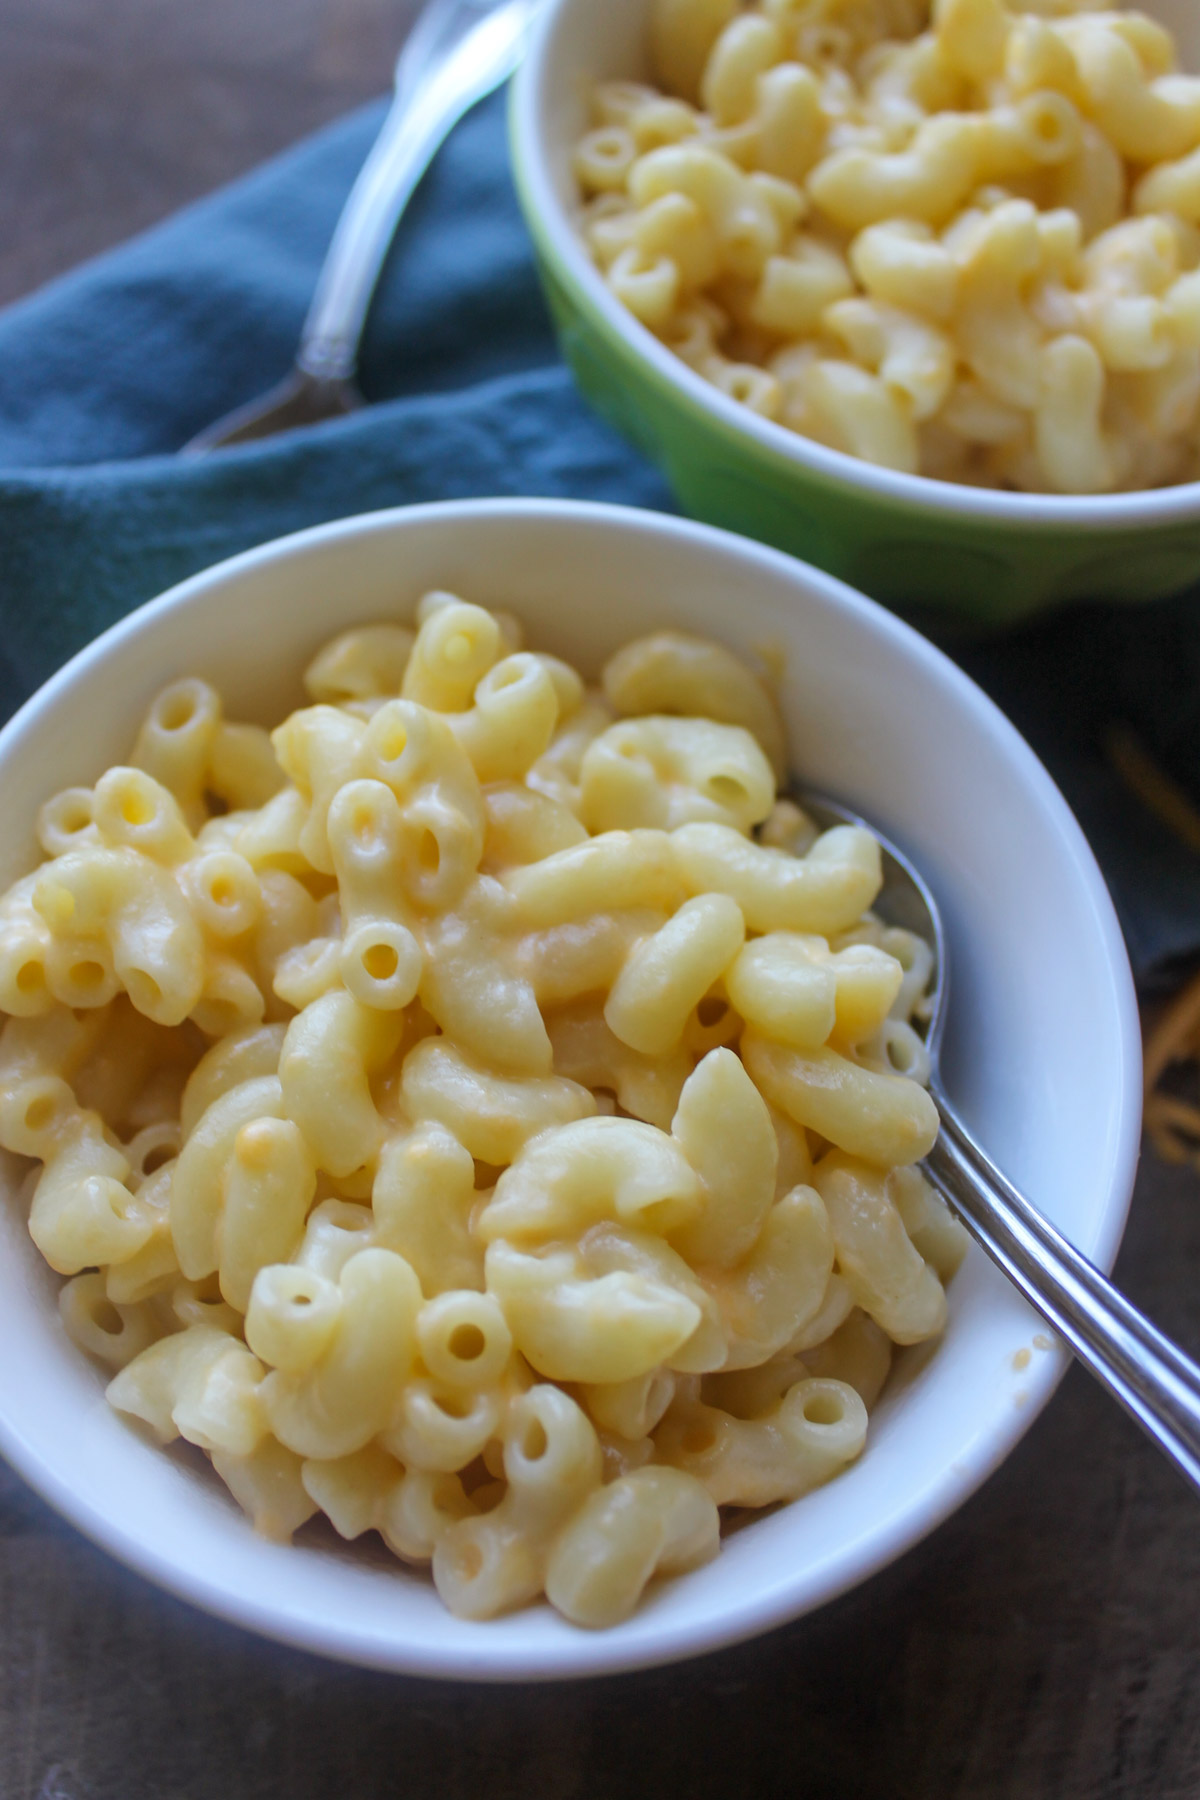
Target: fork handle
[
  {"x": 1151, "y": 1377},
  {"x": 440, "y": 75}
]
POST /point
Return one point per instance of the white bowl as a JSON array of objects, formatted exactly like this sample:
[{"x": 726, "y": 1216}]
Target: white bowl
[{"x": 1044, "y": 1049}]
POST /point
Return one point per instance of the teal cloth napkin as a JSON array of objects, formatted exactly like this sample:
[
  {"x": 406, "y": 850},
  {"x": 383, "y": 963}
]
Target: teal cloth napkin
[{"x": 105, "y": 373}]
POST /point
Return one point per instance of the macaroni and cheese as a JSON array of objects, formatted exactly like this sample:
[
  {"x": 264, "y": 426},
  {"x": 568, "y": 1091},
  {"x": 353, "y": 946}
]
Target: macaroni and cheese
[
  {"x": 473, "y": 1112},
  {"x": 958, "y": 239}
]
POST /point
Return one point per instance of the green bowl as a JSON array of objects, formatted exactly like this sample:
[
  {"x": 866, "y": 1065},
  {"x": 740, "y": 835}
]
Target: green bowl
[{"x": 920, "y": 546}]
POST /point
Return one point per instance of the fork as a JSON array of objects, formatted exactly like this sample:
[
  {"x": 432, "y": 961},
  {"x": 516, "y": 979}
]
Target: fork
[{"x": 456, "y": 54}]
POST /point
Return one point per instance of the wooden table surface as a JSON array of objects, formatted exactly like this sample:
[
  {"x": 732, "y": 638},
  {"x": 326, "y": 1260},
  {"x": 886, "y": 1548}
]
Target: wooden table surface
[{"x": 1043, "y": 1645}]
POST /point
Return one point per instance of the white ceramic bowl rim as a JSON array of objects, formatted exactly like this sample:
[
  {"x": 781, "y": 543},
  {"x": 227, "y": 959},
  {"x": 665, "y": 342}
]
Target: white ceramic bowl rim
[
  {"x": 1101, "y": 512},
  {"x": 645, "y": 1642}
]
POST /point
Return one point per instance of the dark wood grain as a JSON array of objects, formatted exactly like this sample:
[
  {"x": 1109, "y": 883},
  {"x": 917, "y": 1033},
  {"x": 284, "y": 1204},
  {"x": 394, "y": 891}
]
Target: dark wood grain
[
  {"x": 115, "y": 112},
  {"x": 1044, "y": 1645}
]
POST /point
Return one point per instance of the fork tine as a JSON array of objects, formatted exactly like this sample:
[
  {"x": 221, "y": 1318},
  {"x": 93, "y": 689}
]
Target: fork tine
[{"x": 299, "y": 399}]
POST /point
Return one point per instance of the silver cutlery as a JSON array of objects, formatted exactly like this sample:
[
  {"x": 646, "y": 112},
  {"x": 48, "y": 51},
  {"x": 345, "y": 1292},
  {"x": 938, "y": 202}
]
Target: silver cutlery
[
  {"x": 458, "y": 52},
  {"x": 1151, "y": 1377}
]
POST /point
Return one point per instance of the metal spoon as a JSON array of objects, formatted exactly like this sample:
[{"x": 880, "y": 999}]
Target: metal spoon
[
  {"x": 458, "y": 52},
  {"x": 1151, "y": 1377}
]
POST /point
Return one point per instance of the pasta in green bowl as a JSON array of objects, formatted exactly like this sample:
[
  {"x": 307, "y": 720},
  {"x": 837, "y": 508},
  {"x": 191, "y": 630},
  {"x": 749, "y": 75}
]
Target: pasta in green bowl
[{"x": 916, "y": 298}]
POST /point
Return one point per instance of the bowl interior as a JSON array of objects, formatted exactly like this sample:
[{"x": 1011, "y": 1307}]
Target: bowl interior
[
  {"x": 584, "y": 44},
  {"x": 1043, "y": 1046},
  {"x": 578, "y": 44}
]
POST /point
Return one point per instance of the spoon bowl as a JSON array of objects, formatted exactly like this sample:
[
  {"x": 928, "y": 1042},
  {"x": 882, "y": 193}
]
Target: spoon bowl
[{"x": 905, "y": 900}]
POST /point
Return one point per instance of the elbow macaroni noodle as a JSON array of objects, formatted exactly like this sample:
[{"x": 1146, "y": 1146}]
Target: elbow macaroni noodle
[
  {"x": 956, "y": 238},
  {"x": 470, "y": 1112}
]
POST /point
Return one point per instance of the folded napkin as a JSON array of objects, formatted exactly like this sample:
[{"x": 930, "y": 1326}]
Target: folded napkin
[{"x": 104, "y": 374}]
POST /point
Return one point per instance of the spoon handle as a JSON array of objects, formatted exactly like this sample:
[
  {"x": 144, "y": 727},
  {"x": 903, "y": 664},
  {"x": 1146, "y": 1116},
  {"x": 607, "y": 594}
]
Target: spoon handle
[
  {"x": 459, "y": 51},
  {"x": 1152, "y": 1378}
]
